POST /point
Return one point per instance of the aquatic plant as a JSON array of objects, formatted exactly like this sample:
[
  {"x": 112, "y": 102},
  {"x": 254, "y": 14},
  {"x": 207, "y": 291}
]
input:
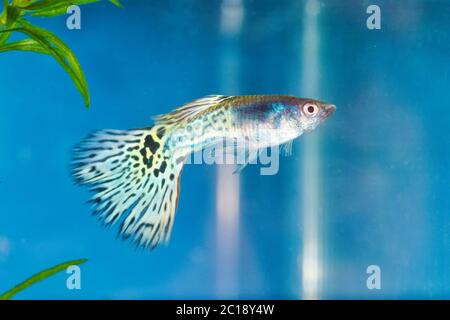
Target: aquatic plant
[
  {"x": 14, "y": 20},
  {"x": 39, "y": 277}
]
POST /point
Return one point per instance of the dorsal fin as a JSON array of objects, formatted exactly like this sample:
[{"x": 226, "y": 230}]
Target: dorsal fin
[{"x": 190, "y": 110}]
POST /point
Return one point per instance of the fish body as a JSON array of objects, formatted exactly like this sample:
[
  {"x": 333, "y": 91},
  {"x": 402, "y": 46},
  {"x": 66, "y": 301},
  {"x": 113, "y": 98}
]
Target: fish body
[
  {"x": 135, "y": 174},
  {"x": 262, "y": 121}
]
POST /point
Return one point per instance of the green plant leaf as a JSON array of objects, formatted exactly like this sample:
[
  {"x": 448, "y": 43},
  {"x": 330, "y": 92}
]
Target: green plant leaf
[
  {"x": 60, "y": 52},
  {"x": 21, "y": 3},
  {"x": 117, "y": 3},
  {"x": 58, "y": 8},
  {"x": 39, "y": 277},
  {"x": 4, "y": 16},
  {"x": 5, "y": 34},
  {"x": 24, "y": 45},
  {"x": 51, "y": 8},
  {"x": 43, "y": 41},
  {"x": 35, "y": 5}
]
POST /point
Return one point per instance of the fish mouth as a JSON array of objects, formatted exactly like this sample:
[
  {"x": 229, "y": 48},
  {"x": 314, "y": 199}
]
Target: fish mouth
[{"x": 329, "y": 109}]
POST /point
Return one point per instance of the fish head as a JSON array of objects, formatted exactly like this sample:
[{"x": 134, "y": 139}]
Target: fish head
[{"x": 309, "y": 113}]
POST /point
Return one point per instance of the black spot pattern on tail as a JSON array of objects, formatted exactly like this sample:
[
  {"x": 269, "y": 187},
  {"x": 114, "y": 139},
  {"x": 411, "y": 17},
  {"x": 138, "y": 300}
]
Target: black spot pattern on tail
[{"x": 151, "y": 144}]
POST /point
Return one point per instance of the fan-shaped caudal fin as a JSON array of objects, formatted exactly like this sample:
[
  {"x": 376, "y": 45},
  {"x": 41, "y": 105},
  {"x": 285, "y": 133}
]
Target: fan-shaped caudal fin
[{"x": 134, "y": 181}]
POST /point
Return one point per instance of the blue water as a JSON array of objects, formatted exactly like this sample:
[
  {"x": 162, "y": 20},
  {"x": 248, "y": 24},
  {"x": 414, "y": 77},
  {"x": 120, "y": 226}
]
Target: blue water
[{"x": 384, "y": 155}]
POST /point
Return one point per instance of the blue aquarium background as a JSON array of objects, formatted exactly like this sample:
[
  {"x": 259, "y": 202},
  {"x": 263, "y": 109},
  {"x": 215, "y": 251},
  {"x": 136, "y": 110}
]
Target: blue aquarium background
[{"x": 370, "y": 187}]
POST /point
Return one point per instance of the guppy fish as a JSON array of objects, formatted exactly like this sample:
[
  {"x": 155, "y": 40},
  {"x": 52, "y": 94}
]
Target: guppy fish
[{"x": 135, "y": 174}]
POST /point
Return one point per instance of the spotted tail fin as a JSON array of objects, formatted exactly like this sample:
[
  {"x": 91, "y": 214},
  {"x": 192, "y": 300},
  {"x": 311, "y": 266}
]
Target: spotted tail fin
[{"x": 135, "y": 181}]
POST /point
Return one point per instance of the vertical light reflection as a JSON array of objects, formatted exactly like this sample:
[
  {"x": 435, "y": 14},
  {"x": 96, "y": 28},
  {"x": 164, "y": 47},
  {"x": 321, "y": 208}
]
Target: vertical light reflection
[
  {"x": 227, "y": 189},
  {"x": 311, "y": 264}
]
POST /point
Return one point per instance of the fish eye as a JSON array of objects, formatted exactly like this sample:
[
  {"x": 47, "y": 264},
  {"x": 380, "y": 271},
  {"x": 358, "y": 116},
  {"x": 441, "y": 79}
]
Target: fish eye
[{"x": 310, "y": 109}]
